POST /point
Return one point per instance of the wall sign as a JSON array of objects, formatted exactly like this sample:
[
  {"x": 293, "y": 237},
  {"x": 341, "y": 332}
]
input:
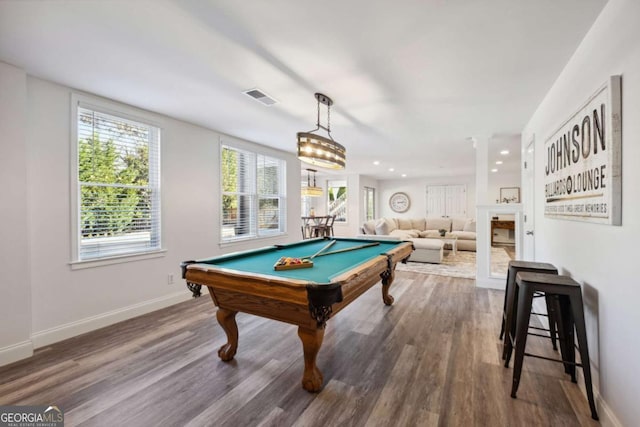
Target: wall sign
[{"x": 583, "y": 161}]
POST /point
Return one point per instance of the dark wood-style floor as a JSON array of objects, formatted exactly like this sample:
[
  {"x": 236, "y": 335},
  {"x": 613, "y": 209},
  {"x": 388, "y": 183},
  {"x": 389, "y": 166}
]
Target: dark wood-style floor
[
  {"x": 433, "y": 358},
  {"x": 509, "y": 249}
]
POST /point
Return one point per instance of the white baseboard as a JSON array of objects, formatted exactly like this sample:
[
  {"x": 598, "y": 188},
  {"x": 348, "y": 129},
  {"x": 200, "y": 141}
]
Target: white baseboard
[
  {"x": 606, "y": 415},
  {"x": 16, "y": 352},
  {"x": 72, "y": 329}
]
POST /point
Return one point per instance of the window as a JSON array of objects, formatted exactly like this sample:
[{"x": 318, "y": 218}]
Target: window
[
  {"x": 117, "y": 186},
  {"x": 253, "y": 194},
  {"x": 337, "y": 200},
  {"x": 369, "y": 203}
]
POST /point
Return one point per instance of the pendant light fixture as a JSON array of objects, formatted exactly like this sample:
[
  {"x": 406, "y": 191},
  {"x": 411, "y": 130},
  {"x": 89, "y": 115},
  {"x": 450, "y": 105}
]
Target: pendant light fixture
[
  {"x": 318, "y": 150},
  {"x": 311, "y": 190}
]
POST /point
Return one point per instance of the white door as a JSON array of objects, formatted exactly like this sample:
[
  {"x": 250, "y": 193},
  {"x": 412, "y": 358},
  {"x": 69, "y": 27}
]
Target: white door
[
  {"x": 436, "y": 201},
  {"x": 456, "y": 205},
  {"x": 446, "y": 201},
  {"x": 528, "y": 200}
]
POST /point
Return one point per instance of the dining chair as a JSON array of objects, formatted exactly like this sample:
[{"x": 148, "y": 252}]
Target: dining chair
[
  {"x": 329, "y": 228},
  {"x": 319, "y": 229}
]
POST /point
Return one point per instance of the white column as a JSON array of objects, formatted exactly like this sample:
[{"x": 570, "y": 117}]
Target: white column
[
  {"x": 15, "y": 282},
  {"x": 482, "y": 220},
  {"x": 482, "y": 170}
]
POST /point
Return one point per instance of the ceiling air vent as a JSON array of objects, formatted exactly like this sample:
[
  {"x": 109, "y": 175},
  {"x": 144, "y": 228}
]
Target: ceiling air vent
[{"x": 261, "y": 97}]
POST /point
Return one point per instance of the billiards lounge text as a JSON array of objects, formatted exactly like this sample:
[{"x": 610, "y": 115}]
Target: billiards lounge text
[{"x": 581, "y": 159}]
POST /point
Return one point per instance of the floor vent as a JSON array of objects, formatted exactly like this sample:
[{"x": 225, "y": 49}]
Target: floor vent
[{"x": 261, "y": 97}]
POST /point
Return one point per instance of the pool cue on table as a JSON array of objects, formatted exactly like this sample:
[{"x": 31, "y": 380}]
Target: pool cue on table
[
  {"x": 354, "y": 248},
  {"x": 327, "y": 246}
]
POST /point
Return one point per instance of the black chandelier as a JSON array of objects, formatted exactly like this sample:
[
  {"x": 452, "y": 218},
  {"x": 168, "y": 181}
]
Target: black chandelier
[{"x": 318, "y": 150}]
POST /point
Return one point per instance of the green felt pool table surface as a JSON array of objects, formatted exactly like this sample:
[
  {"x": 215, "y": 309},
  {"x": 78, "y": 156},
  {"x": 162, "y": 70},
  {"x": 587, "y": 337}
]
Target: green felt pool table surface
[{"x": 325, "y": 268}]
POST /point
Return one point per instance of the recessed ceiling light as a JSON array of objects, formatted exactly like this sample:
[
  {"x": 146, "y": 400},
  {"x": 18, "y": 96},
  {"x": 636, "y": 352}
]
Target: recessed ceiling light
[
  {"x": 391, "y": 169},
  {"x": 404, "y": 175},
  {"x": 376, "y": 163},
  {"x": 494, "y": 170},
  {"x": 499, "y": 162},
  {"x": 504, "y": 152}
]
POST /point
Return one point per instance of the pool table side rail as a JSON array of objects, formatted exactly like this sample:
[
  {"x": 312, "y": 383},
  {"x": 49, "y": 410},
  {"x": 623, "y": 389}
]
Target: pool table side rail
[{"x": 271, "y": 299}]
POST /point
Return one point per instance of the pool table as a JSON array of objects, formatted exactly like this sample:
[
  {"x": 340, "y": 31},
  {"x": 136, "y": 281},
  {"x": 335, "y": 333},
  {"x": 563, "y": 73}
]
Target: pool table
[{"x": 247, "y": 282}]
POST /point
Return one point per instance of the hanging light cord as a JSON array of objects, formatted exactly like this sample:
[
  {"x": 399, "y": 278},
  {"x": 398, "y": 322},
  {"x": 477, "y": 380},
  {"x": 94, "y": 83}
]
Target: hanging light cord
[{"x": 318, "y": 125}]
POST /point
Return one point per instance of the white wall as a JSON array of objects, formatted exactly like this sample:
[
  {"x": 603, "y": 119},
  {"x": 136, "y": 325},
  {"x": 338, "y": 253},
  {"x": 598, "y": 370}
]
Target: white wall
[
  {"x": 416, "y": 188},
  {"x": 499, "y": 180},
  {"x": 602, "y": 258},
  {"x": 65, "y": 301},
  {"x": 15, "y": 293}
]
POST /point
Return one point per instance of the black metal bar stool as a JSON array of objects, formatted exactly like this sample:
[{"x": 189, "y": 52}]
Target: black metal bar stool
[
  {"x": 570, "y": 315},
  {"x": 510, "y": 308}
]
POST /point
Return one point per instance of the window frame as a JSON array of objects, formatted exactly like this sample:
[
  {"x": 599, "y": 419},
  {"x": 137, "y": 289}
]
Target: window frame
[
  {"x": 369, "y": 191},
  {"x": 125, "y": 113},
  {"x": 255, "y": 196}
]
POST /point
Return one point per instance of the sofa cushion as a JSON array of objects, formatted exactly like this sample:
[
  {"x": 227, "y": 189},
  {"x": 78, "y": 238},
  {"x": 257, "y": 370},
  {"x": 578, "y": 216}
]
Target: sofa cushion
[
  {"x": 385, "y": 226},
  {"x": 404, "y": 224},
  {"x": 427, "y": 243},
  {"x": 369, "y": 227},
  {"x": 466, "y": 245},
  {"x": 464, "y": 235},
  {"x": 404, "y": 234},
  {"x": 457, "y": 224},
  {"x": 430, "y": 234},
  {"x": 438, "y": 223},
  {"x": 470, "y": 225},
  {"x": 419, "y": 224}
]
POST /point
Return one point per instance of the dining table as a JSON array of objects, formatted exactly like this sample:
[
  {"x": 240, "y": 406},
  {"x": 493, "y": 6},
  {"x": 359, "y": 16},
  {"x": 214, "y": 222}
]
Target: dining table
[{"x": 310, "y": 224}]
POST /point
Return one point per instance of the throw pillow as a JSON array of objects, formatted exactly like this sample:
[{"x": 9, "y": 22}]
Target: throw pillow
[
  {"x": 369, "y": 227},
  {"x": 384, "y": 226},
  {"x": 457, "y": 224},
  {"x": 470, "y": 225}
]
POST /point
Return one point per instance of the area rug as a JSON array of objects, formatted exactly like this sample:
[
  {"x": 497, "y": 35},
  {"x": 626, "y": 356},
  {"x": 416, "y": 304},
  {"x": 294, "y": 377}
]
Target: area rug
[{"x": 463, "y": 264}]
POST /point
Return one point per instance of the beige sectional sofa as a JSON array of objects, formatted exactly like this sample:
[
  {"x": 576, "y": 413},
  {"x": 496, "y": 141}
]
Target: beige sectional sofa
[{"x": 424, "y": 228}]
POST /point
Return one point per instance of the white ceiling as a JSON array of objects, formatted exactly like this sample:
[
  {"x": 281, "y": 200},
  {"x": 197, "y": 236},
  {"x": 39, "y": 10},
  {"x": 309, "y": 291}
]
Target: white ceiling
[{"x": 411, "y": 80}]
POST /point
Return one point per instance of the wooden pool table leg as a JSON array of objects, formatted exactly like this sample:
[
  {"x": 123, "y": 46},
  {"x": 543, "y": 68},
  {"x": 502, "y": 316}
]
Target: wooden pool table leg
[
  {"x": 227, "y": 319},
  {"x": 311, "y": 342},
  {"x": 387, "y": 279}
]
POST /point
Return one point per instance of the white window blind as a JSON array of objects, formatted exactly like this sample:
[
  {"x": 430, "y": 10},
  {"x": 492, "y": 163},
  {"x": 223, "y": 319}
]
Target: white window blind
[
  {"x": 118, "y": 186},
  {"x": 253, "y": 194}
]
